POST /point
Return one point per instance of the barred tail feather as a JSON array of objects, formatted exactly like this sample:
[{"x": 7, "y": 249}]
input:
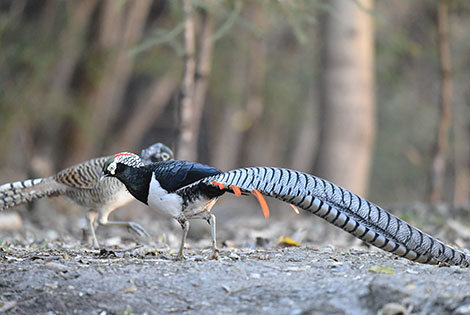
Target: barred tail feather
[
  {"x": 346, "y": 210},
  {"x": 20, "y": 184},
  {"x": 17, "y": 193}
]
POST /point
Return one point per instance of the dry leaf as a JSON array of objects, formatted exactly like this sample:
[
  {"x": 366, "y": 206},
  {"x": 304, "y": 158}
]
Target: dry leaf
[
  {"x": 285, "y": 241},
  {"x": 382, "y": 269},
  {"x": 130, "y": 289}
]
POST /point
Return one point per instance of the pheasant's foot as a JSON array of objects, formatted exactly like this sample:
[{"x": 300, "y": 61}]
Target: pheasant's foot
[
  {"x": 137, "y": 228},
  {"x": 215, "y": 254}
]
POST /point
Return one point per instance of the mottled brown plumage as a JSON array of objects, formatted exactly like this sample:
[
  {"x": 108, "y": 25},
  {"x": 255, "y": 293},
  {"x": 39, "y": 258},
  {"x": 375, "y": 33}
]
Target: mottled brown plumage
[{"x": 81, "y": 184}]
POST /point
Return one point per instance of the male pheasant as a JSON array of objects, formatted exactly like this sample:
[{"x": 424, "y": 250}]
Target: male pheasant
[{"x": 186, "y": 190}]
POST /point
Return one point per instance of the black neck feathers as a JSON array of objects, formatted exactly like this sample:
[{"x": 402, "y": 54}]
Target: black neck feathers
[{"x": 137, "y": 181}]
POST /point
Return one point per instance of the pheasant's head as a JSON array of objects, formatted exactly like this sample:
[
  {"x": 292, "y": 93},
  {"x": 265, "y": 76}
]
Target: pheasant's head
[
  {"x": 119, "y": 162},
  {"x": 156, "y": 152},
  {"x": 130, "y": 170}
]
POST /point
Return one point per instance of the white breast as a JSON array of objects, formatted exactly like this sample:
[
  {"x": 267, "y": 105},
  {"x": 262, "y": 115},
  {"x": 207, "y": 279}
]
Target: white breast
[{"x": 162, "y": 201}]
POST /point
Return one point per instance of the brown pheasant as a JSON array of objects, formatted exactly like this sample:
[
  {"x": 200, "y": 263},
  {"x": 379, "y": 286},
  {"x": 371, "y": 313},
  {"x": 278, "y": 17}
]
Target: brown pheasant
[{"x": 81, "y": 184}]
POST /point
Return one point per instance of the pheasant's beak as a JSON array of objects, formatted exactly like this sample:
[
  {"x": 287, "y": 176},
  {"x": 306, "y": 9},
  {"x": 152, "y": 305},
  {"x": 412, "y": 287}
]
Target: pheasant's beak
[{"x": 103, "y": 175}]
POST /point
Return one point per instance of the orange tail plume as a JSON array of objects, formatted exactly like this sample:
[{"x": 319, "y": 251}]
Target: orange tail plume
[
  {"x": 220, "y": 185},
  {"x": 262, "y": 202},
  {"x": 236, "y": 191},
  {"x": 295, "y": 208}
]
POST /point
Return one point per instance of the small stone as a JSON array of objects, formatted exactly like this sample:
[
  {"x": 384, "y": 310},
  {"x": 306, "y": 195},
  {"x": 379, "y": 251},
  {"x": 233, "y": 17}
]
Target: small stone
[
  {"x": 57, "y": 267},
  {"x": 197, "y": 258},
  {"x": 234, "y": 256},
  {"x": 52, "y": 235},
  {"x": 130, "y": 289},
  {"x": 255, "y": 276},
  {"x": 327, "y": 249},
  {"x": 52, "y": 285},
  {"x": 7, "y": 305},
  {"x": 10, "y": 221},
  {"x": 463, "y": 310},
  {"x": 113, "y": 241},
  {"x": 262, "y": 242},
  {"x": 393, "y": 309},
  {"x": 286, "y": 301}
]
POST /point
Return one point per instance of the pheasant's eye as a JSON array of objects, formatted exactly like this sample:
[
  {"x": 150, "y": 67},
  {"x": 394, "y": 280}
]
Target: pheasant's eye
[{"x": 112, "y": 168}]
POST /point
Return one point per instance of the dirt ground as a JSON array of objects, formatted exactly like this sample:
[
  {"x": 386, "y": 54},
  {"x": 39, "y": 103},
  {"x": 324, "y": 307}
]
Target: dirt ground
[{"x": 45, "y": 269}]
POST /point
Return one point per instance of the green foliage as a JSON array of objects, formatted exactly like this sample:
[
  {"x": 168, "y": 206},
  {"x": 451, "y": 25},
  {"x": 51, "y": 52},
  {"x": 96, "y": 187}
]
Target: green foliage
[
  {"x": 230, "y": 16},
  {"x": 162, "y": 37},
  {"x": 406, "y": 73},
  {"x": 301, "y": 16}
]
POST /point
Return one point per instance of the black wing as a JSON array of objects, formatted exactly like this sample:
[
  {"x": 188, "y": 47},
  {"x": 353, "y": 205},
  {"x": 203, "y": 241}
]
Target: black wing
[{"x": 173, "y": 175}]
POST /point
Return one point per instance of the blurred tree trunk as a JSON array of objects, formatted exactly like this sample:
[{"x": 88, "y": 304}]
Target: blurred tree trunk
[
  {"x": 49, "y": 13},
  {"x": 70, "y": 45},
  {"x": 231, "y": 123},
  {"x": 268, "y": 143},
  {"x": 186, "y": 139},
  {"x": 71, "y": 42},
  {"x": 348, "y": 108},
  {"x": 256, "y": 76},
  {"x": 462, "y": 158},
  {"x": 147, "y": 110},
  {"x": 120, "y": 28},
  {"x": 306, "y": 139},
  {"x": 243, "y": 114},
  {"x": 438, "y": 164},
  {"x": 195, "y": 82},
  {"x": 53, "y": 87},
  {"x": 16, "y": 10}
]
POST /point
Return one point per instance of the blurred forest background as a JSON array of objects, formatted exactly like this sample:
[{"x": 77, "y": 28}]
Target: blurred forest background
[{"x": 373, "y": 95}]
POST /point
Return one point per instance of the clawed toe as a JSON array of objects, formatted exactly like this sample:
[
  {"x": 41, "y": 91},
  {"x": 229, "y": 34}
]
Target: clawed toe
[{"x": 138, "y": 229}]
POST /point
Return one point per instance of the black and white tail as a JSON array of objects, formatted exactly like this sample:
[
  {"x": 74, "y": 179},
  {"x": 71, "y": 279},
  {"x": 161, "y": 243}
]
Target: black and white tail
[
  {"x": 344, "y": 209},
  {"x": 17, "y": 193}
]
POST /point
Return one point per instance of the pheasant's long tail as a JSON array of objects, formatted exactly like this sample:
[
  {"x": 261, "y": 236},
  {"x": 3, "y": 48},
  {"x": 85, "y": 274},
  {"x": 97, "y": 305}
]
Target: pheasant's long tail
[
  {"x": 344, "y": 209},
  {"x": 17, "y": 193}
]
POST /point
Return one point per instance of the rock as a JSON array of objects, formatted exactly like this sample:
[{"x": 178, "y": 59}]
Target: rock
[
  {"x": 463, "y": 310},
  {"x": 10, "y": 221},
  {"x": 393, "y": 309},
  {"x": 234, "y": 256},
  {"x": 57, "y": 267}
]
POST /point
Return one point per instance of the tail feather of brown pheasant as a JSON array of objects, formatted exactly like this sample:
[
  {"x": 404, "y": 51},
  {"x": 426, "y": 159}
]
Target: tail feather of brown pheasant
[{"x": 20, "y": 192}]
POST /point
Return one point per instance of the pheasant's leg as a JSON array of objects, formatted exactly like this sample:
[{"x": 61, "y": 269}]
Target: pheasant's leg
[
  {"x": 215, "y": 251},
  {"x": 90, "y": 217},
  {"x": 185, "y": 226},
  {"x": 137, "y": 228}
]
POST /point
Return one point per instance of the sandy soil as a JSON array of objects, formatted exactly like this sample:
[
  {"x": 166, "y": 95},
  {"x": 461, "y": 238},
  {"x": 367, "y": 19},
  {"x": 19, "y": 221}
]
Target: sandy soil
[{"x": 45, "y": 269}]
